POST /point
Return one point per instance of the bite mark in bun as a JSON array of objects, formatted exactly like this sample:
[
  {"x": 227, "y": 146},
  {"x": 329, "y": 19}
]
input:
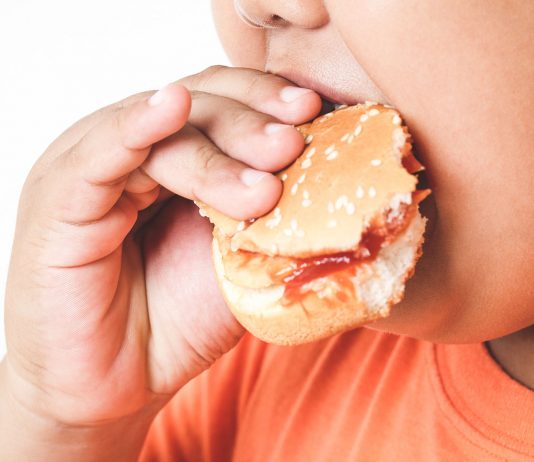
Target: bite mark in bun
[{"x": 343, "y": 239}]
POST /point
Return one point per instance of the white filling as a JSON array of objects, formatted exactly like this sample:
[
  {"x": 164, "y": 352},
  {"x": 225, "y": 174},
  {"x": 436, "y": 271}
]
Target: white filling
[{"x": 383, "y": 280}]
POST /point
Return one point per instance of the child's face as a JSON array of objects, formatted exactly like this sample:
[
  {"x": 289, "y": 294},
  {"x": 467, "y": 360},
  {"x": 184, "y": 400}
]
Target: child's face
[{"x": 461, "y": 72}]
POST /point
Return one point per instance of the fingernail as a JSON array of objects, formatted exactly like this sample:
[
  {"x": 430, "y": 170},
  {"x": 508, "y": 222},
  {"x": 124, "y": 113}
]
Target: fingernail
[
  {"x": 251, "y": 177},
  {"x": 290, "y": 94},
  {"x": 158, "y": 97},
  {"x": 272, "y": 128}
]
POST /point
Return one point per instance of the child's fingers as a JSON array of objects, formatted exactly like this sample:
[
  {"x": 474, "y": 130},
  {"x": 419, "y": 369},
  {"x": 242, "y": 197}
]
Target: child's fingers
[
  {"x": 267, "y": 93},
  {"x": 252, "y": 137},
  {"x": 121, "y": 142},
  {"x": 190, "y": 165},
  {"x": 84, "y": 183}
]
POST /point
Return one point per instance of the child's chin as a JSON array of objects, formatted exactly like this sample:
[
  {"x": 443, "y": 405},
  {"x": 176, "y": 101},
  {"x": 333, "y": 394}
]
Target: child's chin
[{"x": 422, "y": 321}]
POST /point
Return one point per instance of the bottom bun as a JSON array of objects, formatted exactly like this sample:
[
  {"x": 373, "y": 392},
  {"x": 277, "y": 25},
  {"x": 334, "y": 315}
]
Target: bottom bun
[{"x": 378, "y": 285}]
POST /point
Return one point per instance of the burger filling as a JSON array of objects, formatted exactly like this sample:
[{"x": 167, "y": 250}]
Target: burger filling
[{"x": 255, "y": 270}]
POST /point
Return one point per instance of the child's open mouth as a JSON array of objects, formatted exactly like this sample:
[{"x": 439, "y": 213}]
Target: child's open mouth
[{"x": 328, "y": 106}]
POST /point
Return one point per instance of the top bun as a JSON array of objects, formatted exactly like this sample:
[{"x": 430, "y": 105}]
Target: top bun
[{"x": 350, "y": 171}]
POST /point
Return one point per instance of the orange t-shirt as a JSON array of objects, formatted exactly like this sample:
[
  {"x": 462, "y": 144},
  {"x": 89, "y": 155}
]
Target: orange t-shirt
[{"x": 360, "y": 396}]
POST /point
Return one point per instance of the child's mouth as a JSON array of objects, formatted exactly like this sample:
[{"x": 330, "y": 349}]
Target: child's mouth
[{"x": 328, "y": 106}]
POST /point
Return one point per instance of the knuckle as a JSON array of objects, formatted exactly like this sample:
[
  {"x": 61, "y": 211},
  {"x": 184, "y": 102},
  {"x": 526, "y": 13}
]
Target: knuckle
[
  {"x": 119, "y": 125},
  {"x": 128, "y": 101},
  {"x": 239, "y": 117},
  {"x": 257, "y": 80},
  {"x": 202, "y": 80},
  {"x": 207, "y": 158}
]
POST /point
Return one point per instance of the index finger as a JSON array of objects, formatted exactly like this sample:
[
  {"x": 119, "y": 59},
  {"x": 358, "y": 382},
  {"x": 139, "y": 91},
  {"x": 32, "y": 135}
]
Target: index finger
[{"x": 264, "y": 92}]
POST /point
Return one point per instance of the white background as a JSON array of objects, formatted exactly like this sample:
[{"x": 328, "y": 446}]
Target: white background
[{"x": 61, "y": 60}]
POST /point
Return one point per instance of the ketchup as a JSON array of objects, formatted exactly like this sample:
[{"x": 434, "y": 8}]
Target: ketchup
[
  {"x": 341, "y": 267},
  {"x": 344, "y": 264},
  {"x": 311, "y": 268},
  {"x": 411, "y": 164}
]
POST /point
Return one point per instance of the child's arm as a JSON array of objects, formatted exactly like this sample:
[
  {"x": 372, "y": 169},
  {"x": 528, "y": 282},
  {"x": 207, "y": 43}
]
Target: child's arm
[{"x": 111, "y": 308}]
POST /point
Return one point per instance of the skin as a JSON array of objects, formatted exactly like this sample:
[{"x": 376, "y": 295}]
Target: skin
[
  {"x": 465, "y": 133},
  {"x": 112, "y": 306}
]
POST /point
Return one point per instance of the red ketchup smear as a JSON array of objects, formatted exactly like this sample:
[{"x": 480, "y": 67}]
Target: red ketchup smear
[
  {"x": 411, "y": 164},
  {"x": 304, "y": 270},
  {"x": 308, "y": 269}
]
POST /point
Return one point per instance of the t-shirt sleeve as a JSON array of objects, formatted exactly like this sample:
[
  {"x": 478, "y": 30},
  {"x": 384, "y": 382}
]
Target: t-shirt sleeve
[{"x": 200, "y": 422}]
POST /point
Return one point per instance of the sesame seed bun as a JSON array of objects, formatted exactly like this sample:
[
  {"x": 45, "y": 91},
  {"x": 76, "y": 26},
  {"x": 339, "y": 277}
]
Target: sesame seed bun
[{"x": 346, "y": 224}]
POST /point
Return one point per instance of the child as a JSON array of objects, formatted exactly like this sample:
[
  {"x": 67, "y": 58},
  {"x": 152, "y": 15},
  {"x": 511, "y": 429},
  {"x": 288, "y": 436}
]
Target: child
[{"x": 112, "y": 306}]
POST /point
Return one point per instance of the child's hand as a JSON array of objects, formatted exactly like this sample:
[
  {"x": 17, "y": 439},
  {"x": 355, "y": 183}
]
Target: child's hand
[{"x": 110, "y": 310}]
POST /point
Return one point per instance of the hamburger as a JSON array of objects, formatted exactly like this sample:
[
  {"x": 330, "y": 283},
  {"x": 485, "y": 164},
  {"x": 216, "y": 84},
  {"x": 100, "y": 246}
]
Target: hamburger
[{"x": 344, "y": 238}]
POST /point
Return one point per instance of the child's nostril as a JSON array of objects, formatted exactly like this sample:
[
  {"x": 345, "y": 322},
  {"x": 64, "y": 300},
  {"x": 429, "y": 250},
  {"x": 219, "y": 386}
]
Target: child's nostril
[{"x": 276, "y": 21}]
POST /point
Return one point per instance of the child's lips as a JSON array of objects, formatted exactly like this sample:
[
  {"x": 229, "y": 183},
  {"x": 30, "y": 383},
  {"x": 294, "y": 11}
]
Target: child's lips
[{"x": 328, "y": 94}]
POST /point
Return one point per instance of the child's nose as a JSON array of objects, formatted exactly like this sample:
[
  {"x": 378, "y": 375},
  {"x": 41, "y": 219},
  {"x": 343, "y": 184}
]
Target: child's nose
[{"x": 309, "y": 14}]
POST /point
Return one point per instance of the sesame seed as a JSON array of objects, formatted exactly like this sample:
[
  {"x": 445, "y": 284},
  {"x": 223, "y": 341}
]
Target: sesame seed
[
  {"x": 399, "y": 139},
  {"x": 311, "y": 152},
  {"x": 370, "y": 103},
  {"x": 331, "y": 207},
  {"x": 373, "y": 112},
  {"x": 301, "y": 178},
  {"x": 341, "y": 106},
  {"x": 396, "y": 120},
  {"x": 331, "y": 223},
  {"x": 351, "y": 139},
  {"x": 350, "y": 208},
  {"x": 294, "y": 224},
  {"x": 294, "y": 189},
  {"x": 345, "y": 136},
  {"x": 284, "y": 177},
  {"x": 306, "y": 163},
  {"x": 341, "y": 201},
  {"x": 322, "y": 294},
  {"x": 376, "y": 162},
  {"x": 332, "y": 155},
  {"x": 277, "y": 212},
  {"x": 372, "y": 192},
  {"x": 202, "y": 213},
  {"x": 241, "y": 226},
  {"x": 360, "y": 192},
  {"x": 306, "y": 203},
  {"x": 273, "y": 222},
  {"x": 330, "y": 149},
  {"x": 364, "y": 117},
  {"x": 357, "y": 130},
  {"x": 274, "y": 249},
  {"x": 306, "y": 194},
  {"x": 308, "y": 139}
]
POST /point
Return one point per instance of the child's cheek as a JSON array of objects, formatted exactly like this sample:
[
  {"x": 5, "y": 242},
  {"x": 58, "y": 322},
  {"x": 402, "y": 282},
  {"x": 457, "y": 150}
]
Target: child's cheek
[{"x": 234, "y": 33}]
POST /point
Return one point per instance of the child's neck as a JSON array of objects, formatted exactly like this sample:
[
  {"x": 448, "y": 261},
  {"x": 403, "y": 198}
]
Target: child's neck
[{"x": 515, "y": 354}]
